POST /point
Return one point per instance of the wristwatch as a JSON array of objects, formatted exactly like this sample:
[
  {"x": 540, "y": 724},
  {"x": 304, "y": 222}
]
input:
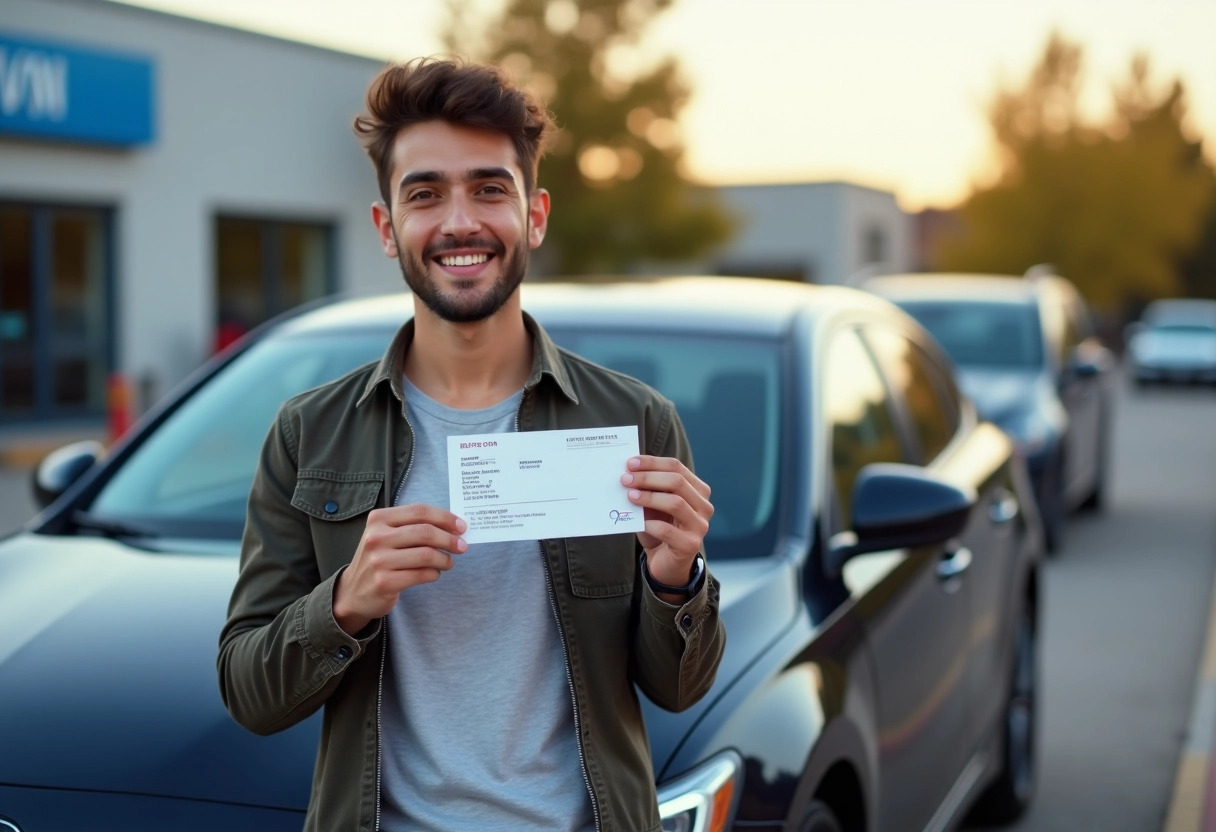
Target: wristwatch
[{"x": 690, "y": 589}]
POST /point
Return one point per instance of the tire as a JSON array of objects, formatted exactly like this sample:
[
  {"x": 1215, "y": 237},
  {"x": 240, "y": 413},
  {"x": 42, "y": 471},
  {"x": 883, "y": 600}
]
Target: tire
[
  {"x": 1007, "y": 798},
  {"x": 820, "y": 818}
]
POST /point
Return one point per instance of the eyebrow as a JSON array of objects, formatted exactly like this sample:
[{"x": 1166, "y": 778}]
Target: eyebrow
[{"x": 472, "y": 175}]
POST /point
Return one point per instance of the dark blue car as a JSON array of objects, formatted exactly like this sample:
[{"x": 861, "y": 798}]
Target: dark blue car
[{"x": 877, "y": 545}]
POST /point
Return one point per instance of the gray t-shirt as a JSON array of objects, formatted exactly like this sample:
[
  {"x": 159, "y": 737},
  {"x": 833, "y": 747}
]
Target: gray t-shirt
[{"x": 477, "y": 719}]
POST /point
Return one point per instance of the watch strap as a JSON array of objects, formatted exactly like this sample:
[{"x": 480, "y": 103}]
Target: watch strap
[{"x": 688, "y": 590}]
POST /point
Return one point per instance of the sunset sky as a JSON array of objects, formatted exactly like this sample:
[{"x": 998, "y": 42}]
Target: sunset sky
[{"x": 888, "y": 93}]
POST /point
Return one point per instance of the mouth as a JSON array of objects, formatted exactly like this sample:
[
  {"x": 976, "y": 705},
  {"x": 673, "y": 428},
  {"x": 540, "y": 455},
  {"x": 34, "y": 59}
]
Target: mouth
[{"x": 464, "y": 263}]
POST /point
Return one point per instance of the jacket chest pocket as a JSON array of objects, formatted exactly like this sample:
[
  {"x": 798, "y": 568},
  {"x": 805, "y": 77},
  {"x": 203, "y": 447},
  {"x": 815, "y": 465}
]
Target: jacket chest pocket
[
  {"x": 338, "y": 504},
  {"x": 601, "y": 567}
]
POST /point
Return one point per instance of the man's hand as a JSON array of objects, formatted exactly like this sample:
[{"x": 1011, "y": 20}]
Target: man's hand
[
  {"x": 402, "y": 546},
  {"x": 677, "y": 511}
]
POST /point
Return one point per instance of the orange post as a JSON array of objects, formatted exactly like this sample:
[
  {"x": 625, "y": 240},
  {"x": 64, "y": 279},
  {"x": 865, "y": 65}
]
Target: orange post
[{"x": 121, "y": 410}]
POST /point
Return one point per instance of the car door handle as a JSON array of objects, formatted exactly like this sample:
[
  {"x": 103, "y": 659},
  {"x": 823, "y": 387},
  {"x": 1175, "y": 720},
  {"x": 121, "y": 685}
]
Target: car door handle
[
  {"x": 954, "y": 564},
  {"x": 1004, "y": 507}
]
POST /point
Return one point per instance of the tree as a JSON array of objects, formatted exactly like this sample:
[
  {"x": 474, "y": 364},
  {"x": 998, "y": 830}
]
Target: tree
[
  {"x": 1113, "y": 205},
  {"x": 613, "y": 168}
]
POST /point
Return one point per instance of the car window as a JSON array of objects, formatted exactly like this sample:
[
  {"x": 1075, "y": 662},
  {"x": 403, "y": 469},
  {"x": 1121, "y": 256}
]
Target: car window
[
  {"x": 860, "y": 425},
  {"x": 191, "y": 477},
  {"x": 727, "y": 392},
  {"x": 921, "y": 386},
  {"x": 979, "y": 334}
]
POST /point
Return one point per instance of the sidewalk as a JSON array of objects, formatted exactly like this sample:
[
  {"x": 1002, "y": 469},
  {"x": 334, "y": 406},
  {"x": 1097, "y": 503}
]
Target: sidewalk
[
  {"x": 1193, "y": 805},
  {"x": 22, "y": 447}
]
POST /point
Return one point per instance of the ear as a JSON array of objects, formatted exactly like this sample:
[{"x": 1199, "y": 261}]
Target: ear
[
  {"x": 383, "y": 220},
  {"x": 538, "y": 217}
]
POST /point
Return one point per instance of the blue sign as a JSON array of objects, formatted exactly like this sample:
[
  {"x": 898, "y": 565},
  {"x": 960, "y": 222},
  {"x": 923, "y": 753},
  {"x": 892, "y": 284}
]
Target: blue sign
[{"x": 75, "y": 94}]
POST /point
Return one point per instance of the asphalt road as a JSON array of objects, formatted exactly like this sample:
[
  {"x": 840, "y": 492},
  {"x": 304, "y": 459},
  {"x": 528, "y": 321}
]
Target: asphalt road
[
  {"x": 1125, "y": 615},
  {"x": 1125, "y": 621}
]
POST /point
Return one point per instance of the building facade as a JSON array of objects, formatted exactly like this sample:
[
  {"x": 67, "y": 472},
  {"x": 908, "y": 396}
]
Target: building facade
[
  {"x": 165, "y": 184},
  {"x": 816, "y": 232}
]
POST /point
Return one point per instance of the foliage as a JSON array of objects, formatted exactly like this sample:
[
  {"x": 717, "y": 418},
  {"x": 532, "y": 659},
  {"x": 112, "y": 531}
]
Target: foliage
[
  {"x": 613, "y": 169},
  {"x": 1112, "y": 205}
]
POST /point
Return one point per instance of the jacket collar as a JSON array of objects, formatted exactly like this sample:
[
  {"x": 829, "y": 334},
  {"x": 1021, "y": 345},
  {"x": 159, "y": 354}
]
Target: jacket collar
[{"x": 547, "y": 360}]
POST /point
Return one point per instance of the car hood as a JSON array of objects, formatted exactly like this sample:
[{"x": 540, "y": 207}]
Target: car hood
[
  {"x": 996, "y": 393},
  {"x": 108, "y": 674},
  {"x": 108, "y": 678},
  {"x": 1164, "y": 345}
]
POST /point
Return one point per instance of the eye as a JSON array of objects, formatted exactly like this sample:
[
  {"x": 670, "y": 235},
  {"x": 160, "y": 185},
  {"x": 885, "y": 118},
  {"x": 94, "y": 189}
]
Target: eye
[
  {"x": 493, "y": 189},
  {"x": 420, "y": 194}
]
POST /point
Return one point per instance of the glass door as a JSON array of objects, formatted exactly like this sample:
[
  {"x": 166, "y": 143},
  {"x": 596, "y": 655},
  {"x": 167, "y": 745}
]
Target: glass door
[{"x": 55, "y": 311}]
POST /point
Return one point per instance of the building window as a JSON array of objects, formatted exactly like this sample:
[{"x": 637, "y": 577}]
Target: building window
[
  {"x": 874, "y": 246},
  {"x": 266, "y": 266},
  {"x": 55, "y": 311}
]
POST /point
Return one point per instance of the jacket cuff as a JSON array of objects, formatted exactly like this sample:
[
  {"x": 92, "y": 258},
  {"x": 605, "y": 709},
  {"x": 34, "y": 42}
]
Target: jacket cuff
[
  {"x": 328, "y": 643},
  {"x": 685, "y": 617}
]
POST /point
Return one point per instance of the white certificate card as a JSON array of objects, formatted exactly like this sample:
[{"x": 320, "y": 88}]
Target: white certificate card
[{"x": 541, "y": 484}]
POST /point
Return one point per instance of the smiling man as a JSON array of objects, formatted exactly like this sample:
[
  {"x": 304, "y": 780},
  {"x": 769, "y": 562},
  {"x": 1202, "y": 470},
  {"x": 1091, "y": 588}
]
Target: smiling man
[{"x": 484, "y": 686}]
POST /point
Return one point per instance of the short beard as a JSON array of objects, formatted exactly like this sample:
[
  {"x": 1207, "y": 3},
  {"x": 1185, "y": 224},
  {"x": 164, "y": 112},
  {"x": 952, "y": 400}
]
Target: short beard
[{"x": 463, "y": 307}]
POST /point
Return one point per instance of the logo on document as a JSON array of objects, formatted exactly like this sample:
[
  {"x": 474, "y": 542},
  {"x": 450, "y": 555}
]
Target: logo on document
[{"x": 620, "y": 516}]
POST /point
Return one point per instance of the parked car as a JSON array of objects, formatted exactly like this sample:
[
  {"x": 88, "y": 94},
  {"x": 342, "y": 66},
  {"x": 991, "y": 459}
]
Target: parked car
[
  {"x": 877, "y": 546},
  {"x": 1028, "y": 356},
  {"x": 1174, "y": 341}
]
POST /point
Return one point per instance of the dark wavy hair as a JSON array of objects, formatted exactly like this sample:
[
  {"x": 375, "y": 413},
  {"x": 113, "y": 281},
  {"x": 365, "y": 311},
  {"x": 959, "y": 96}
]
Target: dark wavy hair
[{"x": 451, "y": 90}]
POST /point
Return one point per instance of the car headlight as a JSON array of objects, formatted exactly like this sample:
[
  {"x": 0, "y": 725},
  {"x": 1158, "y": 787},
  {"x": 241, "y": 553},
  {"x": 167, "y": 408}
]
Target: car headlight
[{"x": 704, "y": 799}]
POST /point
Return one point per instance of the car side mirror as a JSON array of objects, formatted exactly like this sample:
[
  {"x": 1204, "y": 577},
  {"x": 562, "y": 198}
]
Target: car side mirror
[
  {"x": 899, "y": 506},
  {"x": 62, "y": 467}
]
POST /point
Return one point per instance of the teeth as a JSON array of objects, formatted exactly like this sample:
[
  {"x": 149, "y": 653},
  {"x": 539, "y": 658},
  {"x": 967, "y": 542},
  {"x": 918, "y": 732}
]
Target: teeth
[{"x": 464, "y": 260}]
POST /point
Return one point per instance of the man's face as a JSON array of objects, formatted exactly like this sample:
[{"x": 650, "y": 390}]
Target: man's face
[{"x": 459, "y": 224}]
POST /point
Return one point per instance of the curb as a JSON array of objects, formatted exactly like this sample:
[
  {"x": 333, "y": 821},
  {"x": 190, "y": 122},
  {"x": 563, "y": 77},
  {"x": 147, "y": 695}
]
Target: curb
[{"x": 1193, "y": 803}]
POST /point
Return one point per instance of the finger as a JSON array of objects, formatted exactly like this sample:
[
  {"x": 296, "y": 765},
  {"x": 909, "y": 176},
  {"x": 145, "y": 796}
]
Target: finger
[
  {"x": 682, "y": 541},
  {"x": 397, "y": 572},
  {"x": 672, "y": 483},
  {"x": 384, "y": 545},
  {"x": 669, "y": 464},
  {"x": 418, "y": 514},
  {"x": 681, "y": 512}
]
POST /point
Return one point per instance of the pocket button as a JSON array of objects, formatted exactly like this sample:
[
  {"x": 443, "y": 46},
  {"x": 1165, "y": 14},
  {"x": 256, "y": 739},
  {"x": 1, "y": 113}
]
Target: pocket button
[{"x": 331, "y": 507}]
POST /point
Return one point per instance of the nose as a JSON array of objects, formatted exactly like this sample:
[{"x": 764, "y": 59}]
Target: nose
[{"x": 460, "y": 219}]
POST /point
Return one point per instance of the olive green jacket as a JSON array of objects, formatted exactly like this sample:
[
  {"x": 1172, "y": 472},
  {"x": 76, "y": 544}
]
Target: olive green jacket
[{"x": 343, "y": 449}]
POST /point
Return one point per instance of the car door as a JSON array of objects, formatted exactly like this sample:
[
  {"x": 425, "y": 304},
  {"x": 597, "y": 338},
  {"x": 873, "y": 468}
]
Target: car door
[
  {"x": 944, "y": 431},
  {"x": 916, "y": 622},
  {"x": 1080, "y": 393}
]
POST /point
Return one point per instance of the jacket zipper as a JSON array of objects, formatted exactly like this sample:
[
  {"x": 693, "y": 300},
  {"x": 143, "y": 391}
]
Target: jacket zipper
[
  {"x": 384, "y": 630},
  {"x": 578, "y": 731},
  {"x": 561, "y": 632}
]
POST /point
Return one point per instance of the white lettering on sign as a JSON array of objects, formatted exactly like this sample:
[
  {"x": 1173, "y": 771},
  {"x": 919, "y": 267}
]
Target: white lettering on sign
[{"x": 33, "y": 83}]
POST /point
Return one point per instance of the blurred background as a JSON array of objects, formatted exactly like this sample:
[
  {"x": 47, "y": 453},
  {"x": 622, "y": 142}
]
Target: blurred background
[{"x": 175, "y": 172}]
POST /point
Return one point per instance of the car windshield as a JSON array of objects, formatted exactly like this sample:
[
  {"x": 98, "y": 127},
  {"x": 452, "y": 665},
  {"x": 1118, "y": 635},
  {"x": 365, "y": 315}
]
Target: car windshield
[
  {"x": 191, "y": 477},
  {"x": 1002, "y": 335},
  {"x": 727, "y": 393}
]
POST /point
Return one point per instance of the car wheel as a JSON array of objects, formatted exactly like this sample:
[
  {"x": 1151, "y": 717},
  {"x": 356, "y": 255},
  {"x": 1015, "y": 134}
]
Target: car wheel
[
  {"x": 1010, "y": 794},
  {"x": 820, "y": 818},
  {"x": 1052, "y": 506}
]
